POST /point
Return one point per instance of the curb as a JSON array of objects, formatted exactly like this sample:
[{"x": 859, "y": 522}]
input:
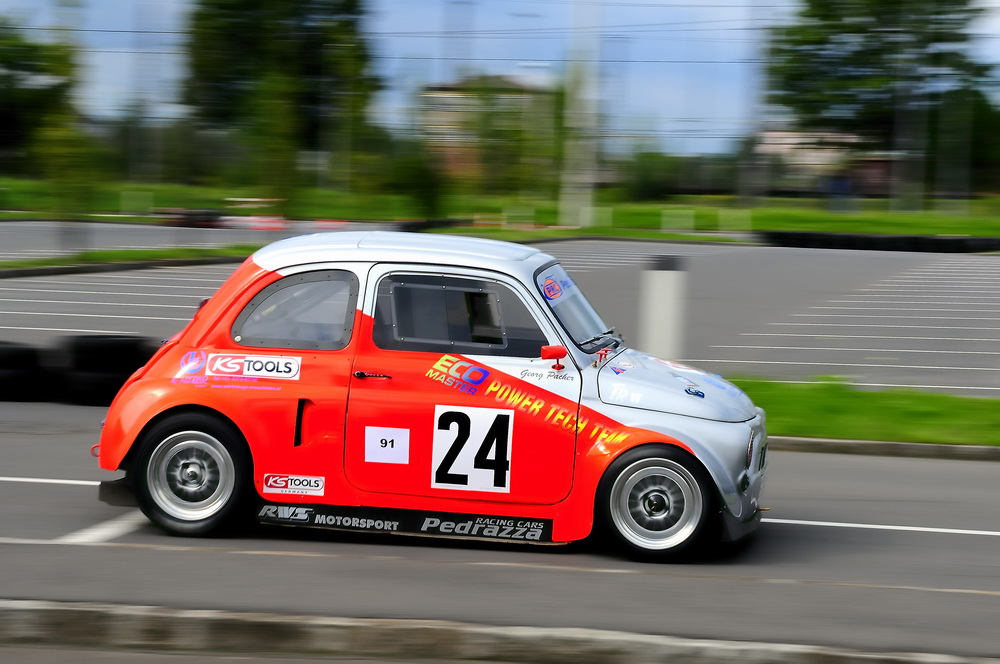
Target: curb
[
  {"x": 30, "y": 622},
  {"x": 882, "y": 448}
]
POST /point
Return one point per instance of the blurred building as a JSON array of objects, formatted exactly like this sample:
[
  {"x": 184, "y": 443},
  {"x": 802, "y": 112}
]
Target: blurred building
[
  {"x": 463, "y": 120},
  {"x": 808, "y": 163}
]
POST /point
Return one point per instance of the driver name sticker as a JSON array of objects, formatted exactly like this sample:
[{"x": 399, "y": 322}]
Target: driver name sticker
[
  {"x": 472, "y": 449},
  {"x": 387, "y": 445}
]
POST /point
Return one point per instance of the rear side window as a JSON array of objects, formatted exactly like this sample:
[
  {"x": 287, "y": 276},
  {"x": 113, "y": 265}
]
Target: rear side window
[
  {"x": 308, "y": 311},
  {"x": 452, "y": 314}
]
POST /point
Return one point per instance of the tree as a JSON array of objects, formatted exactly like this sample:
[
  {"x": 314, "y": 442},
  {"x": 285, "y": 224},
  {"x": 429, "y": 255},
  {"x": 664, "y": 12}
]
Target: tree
[
  {"x": 35, "y": 84},
  {"x": 315, "y": 46},
  {"x": 867, "y": 68}
]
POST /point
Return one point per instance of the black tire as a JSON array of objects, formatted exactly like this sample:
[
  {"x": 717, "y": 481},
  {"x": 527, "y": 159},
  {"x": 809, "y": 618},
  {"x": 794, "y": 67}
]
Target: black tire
[
  {"x": 192, "y": 475},
  {"x": 658, "y": 503},
  {"x": 105, "y": 353},
  {"x": 20, "y": 357},
  {"x": 85, "y": 388}
]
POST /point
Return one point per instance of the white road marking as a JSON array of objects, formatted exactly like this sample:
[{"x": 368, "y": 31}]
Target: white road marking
[
  {"x": 867, "y": 350},
  {"x": 908, "y": 327},
  {"x": 918, "y": 317},
  {"x": 99, "y": 304},
  {"x": 903, "y": 302},
  {"x": 64, "y": 329},
  {"x": 161, "y": 277},
  {"x": 45, "y": 313},
  {"x": 117, "y": 282},
  {"x": 48, "y": 480},
  {"x": 863, "y": 336},
  {"x": 899, "y": 385},
  {"x": 921, "y": 310},
  {"x": 105, "y": 532},
  {"x": 923, "y": 287},
  {"x": 872, "y": 526},
  {"x": 840, "y": 364},
  {"x": 28, "y": 289}
]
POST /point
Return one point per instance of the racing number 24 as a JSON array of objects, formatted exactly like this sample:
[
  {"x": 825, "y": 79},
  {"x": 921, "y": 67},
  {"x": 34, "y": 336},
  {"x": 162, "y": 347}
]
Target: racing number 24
[{"x": 489, "y": 467}]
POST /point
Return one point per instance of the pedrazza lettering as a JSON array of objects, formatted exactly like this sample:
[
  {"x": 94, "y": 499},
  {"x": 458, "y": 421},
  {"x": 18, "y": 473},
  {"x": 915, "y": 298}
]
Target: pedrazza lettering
[{"x": 483, "y": 528}]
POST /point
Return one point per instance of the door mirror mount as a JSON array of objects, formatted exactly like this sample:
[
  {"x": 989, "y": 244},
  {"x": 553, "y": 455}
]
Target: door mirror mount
[{"x": 555, "y": 353}]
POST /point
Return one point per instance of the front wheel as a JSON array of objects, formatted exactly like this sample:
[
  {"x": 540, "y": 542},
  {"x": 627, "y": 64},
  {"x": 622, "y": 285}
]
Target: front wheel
[
  {"x": 191, "y": 474},
  {"x": 657, "y": 501}
]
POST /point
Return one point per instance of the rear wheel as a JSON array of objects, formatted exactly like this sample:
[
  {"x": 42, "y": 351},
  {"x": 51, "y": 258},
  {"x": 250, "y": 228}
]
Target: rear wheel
[
  {"x": 657, "y": 501},
  {"x": 191, "y": 475}
]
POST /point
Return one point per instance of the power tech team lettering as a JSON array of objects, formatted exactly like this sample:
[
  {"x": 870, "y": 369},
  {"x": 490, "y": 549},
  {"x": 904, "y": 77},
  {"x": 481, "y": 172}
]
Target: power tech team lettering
[{"x": 410, "y": 522}]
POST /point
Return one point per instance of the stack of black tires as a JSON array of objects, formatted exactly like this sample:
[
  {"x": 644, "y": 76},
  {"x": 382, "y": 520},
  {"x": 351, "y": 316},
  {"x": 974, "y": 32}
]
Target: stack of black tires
[{"x": 86, "y": 370}]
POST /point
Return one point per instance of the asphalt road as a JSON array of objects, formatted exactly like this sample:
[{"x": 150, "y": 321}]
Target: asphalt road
[
  {"x": 869, "y": 553},
  {"x": 860, "y": 552}
]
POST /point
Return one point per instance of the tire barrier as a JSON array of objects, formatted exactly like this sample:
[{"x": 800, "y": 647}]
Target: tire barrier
[
  {"x": 85, "y": 370},
  {"x": 860, "y": 241}
]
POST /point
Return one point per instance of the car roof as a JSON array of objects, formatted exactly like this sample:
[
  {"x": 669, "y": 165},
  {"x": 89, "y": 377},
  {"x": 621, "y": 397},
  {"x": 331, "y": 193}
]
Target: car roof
[{"x": 391, "y": 246}]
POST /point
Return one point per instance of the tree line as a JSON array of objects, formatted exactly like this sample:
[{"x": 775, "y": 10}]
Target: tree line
[{"x": 272, "y": 85}]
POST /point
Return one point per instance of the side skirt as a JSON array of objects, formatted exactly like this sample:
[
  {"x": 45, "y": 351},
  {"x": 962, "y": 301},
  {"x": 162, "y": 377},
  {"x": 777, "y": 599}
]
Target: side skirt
[{"x": 410, "y": 522}]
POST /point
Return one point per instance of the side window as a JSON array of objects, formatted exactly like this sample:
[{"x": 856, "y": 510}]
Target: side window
[
  {"x": 451, "y": 314},
  {"x": 308, "y": 311}
]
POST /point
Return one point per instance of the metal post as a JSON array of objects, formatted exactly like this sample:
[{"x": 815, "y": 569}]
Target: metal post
[{"x": 661, "y": 307}]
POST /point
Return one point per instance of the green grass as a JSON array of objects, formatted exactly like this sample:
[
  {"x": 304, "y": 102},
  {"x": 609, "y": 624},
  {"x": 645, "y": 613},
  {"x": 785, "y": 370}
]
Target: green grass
[
  {"x": 832, "y": 409},
  {"x": 98, "y": 257}
]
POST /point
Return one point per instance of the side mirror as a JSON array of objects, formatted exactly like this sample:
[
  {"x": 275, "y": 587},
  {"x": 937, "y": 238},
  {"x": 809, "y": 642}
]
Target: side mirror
[{"x": 555, "y": 353}]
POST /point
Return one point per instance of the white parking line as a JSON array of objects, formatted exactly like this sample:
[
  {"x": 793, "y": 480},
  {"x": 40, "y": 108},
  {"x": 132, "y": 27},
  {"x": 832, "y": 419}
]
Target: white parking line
[
  {"x": 64, "y": 329},
  {"x": 100, "y": 304},
  {"x": 29, "y": 289},
  {"x": 920, "y": 310},
  {"x": 46, "y": 313},
  {"x": 116, "y": 282},
  {"x": 893, "y": 327},
  {"x": 839, "y": 315},
  {"x": 890, "y": 385},
  {"x": 840, "y": 364},
  {"x": 105, "y": 532},
  {"x": 894, "y": 337},
  {"x": 867, "y": 350}
]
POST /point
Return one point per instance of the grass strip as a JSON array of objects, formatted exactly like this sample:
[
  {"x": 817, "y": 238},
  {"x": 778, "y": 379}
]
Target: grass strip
[
  {"x": 101, "y": 256},
  {"x": 830, "y": 408}
]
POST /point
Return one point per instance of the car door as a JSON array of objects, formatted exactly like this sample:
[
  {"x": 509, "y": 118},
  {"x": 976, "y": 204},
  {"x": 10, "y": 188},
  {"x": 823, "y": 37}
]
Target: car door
[
  {"x": 288, "y": 370},
  {"x": 449, "y": 397}
]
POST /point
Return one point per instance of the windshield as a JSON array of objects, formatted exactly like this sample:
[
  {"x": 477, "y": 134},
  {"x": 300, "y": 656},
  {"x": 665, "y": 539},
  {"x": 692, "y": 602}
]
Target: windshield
[{"x": 570, "y": 306}]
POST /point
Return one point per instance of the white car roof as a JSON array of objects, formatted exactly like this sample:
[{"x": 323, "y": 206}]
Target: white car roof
[{"x": 390, "y": 246}]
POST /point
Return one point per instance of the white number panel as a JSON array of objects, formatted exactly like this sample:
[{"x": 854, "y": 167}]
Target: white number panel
[
  {"x": 387, "y": 445},
  {"x": 472, "y": 448}
]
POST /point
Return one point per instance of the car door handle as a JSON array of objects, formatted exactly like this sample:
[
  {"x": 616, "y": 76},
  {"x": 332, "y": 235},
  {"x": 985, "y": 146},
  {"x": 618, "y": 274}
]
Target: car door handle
[{"x": 365, "y": 374}]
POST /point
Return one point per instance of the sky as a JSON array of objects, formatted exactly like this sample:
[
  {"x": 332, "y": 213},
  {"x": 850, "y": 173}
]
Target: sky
[{"x": 679, "y": 75}]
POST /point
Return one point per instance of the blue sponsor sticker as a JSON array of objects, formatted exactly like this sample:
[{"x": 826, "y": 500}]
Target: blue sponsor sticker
[{"x": 193, "y": 361}]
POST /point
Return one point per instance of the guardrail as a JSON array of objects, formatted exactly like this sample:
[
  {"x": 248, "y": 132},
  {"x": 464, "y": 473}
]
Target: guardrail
[{"x": 929, "y": 243}]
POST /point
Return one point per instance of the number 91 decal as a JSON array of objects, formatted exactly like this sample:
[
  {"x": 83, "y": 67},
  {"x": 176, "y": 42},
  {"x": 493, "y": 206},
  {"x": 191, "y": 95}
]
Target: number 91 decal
[{"x": 472, "y": 449}]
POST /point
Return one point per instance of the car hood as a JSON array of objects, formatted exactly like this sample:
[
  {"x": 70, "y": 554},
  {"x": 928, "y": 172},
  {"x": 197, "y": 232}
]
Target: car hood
[{"x": 637, "y": 380}]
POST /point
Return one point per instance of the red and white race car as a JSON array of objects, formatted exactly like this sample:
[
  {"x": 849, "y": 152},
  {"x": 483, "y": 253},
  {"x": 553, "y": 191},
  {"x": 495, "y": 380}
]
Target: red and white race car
[{"x": 429, "y": 385}]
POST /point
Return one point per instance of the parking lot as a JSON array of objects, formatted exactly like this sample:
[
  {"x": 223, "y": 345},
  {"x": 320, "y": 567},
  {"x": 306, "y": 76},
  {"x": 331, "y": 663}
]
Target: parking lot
[{"x": 876, "y": 319}]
